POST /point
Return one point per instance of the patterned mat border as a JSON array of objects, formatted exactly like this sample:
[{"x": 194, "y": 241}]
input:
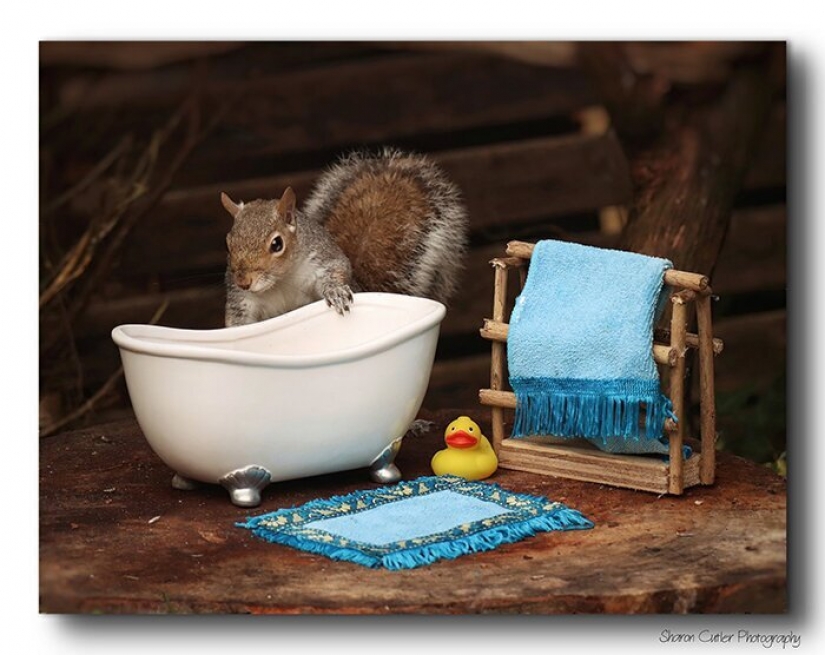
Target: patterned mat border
[{"x": 526, "y": 516}]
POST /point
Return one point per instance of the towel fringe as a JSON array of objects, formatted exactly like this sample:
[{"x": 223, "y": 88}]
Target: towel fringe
[{"x": 563, "y": 414}]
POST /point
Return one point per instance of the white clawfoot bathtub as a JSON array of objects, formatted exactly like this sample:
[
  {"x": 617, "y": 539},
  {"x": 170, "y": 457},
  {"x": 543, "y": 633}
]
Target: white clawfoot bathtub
[{"x": 302, "y": 394}]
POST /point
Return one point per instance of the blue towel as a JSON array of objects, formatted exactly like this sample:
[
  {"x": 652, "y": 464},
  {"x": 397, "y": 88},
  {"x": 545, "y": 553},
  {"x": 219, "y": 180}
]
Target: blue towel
[{"x": 580, "y": 347}]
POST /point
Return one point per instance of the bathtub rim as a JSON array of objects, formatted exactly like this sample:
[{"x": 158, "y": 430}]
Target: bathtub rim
[{"x": 131, "y": 336}]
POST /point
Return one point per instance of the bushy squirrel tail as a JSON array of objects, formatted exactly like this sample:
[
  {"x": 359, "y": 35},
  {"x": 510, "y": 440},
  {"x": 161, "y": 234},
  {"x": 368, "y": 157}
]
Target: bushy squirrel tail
[{"x": 398, "y": 218}]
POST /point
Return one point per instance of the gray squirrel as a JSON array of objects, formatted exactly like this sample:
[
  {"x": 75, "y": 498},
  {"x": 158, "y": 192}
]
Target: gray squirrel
[{"x": 390, "y": 222}]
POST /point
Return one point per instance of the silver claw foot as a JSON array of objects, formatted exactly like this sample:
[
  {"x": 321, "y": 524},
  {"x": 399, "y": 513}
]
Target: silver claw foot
[
  {"x": 383, "y": 469},
  {"x": 182, "y": 483},
  {"x": 245, "y": 485}
]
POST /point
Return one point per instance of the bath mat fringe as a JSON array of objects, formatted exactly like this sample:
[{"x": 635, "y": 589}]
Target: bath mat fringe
[
  {"x": 483, "y": 541},
  {"x": 513, "y": 517}
]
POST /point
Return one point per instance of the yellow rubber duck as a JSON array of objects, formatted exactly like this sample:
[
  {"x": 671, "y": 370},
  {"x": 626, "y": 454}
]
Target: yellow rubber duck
[{"x": 468, "y": 453}]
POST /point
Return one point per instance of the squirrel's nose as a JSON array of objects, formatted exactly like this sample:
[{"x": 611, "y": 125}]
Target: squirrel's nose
[{"x": 243, "y": 280}]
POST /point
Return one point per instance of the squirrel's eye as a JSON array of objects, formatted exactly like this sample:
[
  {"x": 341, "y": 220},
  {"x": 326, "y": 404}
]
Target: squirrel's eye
[{"x": 277, "y": 244}]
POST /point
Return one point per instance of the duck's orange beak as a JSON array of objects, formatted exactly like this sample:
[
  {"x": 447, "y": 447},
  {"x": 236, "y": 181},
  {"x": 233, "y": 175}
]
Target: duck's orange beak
[{"x": 460, "y": 439}]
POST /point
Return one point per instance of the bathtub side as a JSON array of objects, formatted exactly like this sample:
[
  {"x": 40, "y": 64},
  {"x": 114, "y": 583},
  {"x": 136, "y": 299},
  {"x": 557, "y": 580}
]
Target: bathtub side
[
  {"x": 206, "y": 418},
  {"x": 310, "y": 336}
]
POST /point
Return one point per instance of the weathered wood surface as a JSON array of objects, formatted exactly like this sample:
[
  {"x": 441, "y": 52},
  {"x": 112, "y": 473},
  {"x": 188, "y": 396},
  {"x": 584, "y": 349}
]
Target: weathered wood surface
[
  {"x": 502, "y": 184},
  {"x": 715, "y": 550},
  {"x": 758, "y": 351},
  {"x": 679, "y": 62},
  {"x": 531, "y": 180},
  {"x": 377, "y": 100},
  {"x": 127, "y": 75},
  {"x": 770, "y": 160},
  {"x": 687, "y": 182},
  {"x": 128, "y": 55},
  {"x": 753, "y": 257}
]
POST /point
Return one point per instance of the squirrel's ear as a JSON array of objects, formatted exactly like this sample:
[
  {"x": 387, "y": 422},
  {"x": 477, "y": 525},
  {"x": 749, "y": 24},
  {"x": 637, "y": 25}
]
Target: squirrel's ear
[
  {"x": 230, "y": 206},
  {"x": 286, "y": 207}
]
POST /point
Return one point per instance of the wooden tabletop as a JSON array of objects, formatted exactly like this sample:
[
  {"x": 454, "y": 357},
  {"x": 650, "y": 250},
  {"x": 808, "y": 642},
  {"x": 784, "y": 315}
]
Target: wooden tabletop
[{"x": 115, "y": 537}]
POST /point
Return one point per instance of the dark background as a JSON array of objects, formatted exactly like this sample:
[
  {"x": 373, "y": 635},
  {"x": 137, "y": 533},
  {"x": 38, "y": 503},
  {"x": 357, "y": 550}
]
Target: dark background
[{"x": 545, "y": 139}]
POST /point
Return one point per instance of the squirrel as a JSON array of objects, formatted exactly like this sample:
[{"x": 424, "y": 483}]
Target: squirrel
[{"x": 389, "y": 221}]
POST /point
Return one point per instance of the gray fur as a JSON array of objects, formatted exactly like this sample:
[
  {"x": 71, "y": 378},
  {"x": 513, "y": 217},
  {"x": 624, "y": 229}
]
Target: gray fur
[
  {"x": 321, "y": 269},
  {"x": 437, "y": 266}
]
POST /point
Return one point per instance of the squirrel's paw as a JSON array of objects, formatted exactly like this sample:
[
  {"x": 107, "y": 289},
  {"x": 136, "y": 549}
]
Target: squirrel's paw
[{"x": 339, "y": 297}]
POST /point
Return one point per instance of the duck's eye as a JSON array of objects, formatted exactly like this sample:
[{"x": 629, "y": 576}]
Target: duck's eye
[
  {"x": 452, "y": 429},
  {"x": 470, "y": 429},
  {"x": 277, "y": 244}
]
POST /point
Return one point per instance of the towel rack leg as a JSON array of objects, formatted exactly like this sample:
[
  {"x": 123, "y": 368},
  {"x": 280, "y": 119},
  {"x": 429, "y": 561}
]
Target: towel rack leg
[
  {"x": 498, "y": 352},
  {"x": 678, "y": 331},
  {"x": 707, "y": 399}
]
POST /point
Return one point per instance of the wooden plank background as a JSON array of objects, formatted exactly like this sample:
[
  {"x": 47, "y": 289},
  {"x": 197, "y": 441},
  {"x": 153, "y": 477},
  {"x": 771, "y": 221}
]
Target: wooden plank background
[{"x": 506, "y": 122}]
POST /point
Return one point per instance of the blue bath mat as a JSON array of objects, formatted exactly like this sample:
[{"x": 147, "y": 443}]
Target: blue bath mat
[{"x": 414, "y": 523}]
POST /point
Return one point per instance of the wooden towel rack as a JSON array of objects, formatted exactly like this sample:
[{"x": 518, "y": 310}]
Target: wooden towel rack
[{"x": 580, "y": 460}]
